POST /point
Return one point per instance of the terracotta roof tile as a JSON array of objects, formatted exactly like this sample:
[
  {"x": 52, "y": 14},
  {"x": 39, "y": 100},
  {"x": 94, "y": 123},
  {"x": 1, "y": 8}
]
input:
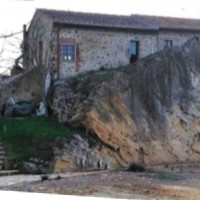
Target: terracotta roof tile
[
  {"x": 171, "y": 22},
  {"x": 91, "y": 19},
  {"x": 141, "y": 22}
]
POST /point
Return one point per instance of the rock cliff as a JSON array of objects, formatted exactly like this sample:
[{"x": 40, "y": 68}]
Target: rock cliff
[{"x": 147, "y": 112}]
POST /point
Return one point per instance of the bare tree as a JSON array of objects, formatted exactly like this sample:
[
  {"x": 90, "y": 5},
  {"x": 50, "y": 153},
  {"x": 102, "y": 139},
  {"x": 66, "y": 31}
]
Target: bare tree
[
  {"x": 9, "y": 49},
  {"x": 38, "y": 55},
  {"x": 2, "y": 50}
]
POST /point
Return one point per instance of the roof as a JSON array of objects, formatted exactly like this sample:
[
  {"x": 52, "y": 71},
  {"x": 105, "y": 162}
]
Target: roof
[
  {"x": 171, "y": 22},
  {"x": 91, "y": 19},
  {"x": 137, "y": 22}
]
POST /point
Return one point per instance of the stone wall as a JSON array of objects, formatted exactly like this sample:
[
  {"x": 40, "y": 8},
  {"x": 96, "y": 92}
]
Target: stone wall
[
  {"x": 102, "y": 48},
  {"x": 97, "y": 48},
  {"x": 178, "y": 38},
  {"x": 38, "y": 33}
]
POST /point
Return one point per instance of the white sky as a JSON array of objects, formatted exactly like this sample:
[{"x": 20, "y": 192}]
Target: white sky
[{"x": 15, "y": 13}]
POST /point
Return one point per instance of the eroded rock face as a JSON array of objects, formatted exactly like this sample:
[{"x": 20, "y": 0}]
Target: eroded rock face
[
  {"x": 80, "y": 153},
  {"x": 148, "y": 112}
]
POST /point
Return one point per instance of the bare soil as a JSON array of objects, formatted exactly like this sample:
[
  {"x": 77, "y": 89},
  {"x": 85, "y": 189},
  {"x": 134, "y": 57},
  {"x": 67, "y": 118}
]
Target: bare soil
[{"x": 174, "y": 183}]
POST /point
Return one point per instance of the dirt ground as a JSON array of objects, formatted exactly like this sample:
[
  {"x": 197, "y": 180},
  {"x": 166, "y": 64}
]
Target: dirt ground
[{"x": 174, "y": 183}]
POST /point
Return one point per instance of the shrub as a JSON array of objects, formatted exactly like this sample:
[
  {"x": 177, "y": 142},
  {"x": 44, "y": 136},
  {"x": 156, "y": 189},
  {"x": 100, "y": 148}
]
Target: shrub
[
  {"x": 44, "y": 177},
  {"x": 136, "y": 168}
]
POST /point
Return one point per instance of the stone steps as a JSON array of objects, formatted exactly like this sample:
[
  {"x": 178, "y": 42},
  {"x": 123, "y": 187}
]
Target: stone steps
[
  {"x": 8, "y": 172},
  {"x": 2, "y": 152},
  {"x": 2, "y": 155}
]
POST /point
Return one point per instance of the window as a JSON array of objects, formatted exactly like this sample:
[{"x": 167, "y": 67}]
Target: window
[
  {"x": 67, "y": 52},
  {"x": 134, "y": 46},
  {"x": 168, "y": 43}
]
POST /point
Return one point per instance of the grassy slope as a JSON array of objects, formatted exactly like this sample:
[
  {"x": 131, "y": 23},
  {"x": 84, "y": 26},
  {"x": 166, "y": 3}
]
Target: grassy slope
[{"x": 31, "y": 136}]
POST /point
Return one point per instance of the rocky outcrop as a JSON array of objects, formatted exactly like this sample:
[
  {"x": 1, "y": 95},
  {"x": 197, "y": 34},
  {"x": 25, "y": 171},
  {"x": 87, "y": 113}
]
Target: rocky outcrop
[
  {"x": 147, "y": 112},
  {"x": 79, "y": 153},
  {"x": 21, "y": 87}
]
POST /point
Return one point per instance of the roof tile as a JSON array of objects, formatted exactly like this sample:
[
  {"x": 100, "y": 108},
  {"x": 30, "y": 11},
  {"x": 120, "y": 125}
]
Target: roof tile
[{"x": 141, "y": 22}]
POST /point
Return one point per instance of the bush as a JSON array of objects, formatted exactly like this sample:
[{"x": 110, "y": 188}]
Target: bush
[
  {"x": 44, "y": 178},
  {"x": 58, "y": 177},
  {"x": 136, "y": 168}
]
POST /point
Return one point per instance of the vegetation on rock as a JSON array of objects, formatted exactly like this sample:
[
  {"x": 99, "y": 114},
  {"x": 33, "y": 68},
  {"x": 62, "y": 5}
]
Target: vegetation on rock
[{"x": 32, "y": 137}]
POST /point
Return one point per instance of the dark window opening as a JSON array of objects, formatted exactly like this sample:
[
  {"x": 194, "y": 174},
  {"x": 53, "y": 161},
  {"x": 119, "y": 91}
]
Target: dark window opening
[
  {"x": 168, "y": 44},
  {"x": 134, "y": 51},
  {"x": 67, "y": 52}
]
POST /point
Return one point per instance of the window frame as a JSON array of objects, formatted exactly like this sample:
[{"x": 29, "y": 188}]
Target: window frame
[
  {"x": 168, "y": 43},
  {"x": 68, "y": 52},
  {"x": 135, "y": 56}
]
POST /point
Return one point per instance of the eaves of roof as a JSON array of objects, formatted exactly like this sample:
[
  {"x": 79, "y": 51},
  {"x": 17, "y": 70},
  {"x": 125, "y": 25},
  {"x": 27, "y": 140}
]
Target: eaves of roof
[{"x": 114, "y": 28}]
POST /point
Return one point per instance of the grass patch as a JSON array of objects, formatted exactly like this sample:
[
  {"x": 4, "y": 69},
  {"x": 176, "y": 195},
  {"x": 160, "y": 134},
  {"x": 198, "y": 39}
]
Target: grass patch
[
  {"x": 31, "y": 136},
  {"x": 167, "y": 176},
  {"x": 84, "y": 82}
]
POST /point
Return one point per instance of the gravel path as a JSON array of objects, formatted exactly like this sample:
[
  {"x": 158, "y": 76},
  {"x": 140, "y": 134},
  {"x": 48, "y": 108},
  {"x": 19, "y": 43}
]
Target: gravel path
[
  {"x": 17, "y": 179},
  {"x": 114, "y": 184}
]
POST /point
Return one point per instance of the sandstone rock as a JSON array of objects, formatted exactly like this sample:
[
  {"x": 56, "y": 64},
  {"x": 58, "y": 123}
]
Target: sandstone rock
[
  {"x": 64, "y": 163},
  {"x": 147, "y": 112},
  {"x": 75, "y": 154}
]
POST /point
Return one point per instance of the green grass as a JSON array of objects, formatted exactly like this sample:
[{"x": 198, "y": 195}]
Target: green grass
[
  {"x": 167, "y": 176},
  {"x": 31, "y": 136}
]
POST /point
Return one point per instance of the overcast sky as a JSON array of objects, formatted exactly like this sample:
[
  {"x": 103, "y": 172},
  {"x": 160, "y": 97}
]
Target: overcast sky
[{"x": 15, "y": 13}]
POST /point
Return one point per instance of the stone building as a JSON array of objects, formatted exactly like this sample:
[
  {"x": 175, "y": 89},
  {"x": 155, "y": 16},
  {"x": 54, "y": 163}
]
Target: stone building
[{"x": 71, "y": 42}]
